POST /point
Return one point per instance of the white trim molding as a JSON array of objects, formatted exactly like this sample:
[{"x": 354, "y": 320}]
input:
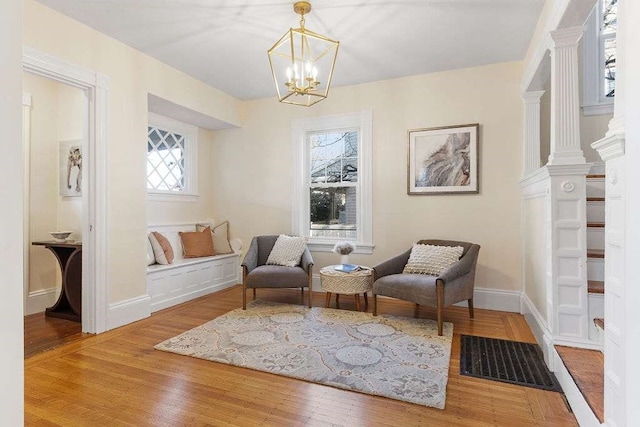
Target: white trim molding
[
  {"x": 565, "y": 96},
  {"x": 128, "y": 311},
  {"x": 539, "y": 328},
  {"x": 95, "y": 231},
  {"x": 579, "y": 406},
  {"x": 593, "y": 101},
  {"x": 190, "y": 171},
  {"x": 38, "y": 301},
  {"x": 300, "y": 128}
]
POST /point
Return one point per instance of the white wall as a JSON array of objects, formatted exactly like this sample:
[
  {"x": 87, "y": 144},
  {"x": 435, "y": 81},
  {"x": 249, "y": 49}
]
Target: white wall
[
  {"x": 592, "y": 128},
  {"x": 11, "y": 191},
  {"x": 57, "y": 113},
  {"x": 253, "y": 166},
  {"x": 132, "y": 76},
  {"x": 631, "y": 112},
  {"x": 43, "y": 180}
]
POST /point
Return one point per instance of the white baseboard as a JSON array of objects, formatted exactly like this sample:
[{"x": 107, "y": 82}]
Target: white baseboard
[
  {"x": 170, "y": 302},
  {"x": 486, "y": 298},
  {"x": 128, "y": 311},
  {"x": 579, "y": 406},
  {"x": 495, "y": 299},
  {"x": 38, "y": 301},
  {"x": 539, "y": 328}
]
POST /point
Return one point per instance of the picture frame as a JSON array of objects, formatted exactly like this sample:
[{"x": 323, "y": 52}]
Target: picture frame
[
  {"x": 443, "y": 160},
  {"x": 70, "y": 168}
]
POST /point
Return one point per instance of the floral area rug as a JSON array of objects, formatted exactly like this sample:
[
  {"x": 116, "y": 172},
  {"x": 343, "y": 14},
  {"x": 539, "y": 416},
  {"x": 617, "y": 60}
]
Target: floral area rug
[{"x": 396, "y": 357}]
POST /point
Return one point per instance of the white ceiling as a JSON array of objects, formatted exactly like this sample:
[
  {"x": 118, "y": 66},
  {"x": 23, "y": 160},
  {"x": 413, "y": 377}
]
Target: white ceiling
[{"x": 224, "y": 42}]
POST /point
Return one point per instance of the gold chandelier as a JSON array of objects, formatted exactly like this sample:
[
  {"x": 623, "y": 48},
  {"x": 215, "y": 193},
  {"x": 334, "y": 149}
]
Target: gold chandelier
[{"x": 300, "y": 60}]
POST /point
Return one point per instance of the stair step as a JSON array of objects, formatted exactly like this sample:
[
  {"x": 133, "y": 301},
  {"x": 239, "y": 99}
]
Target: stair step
[
  {"x": 599, "y": 322},
  {"x": 595, "y": 253},
  {"x": 595, "y": 286},
  {"x": 595, "y": 176},
  {"x": 595, "y": 224},
  {"x": 595, "y": 199}
]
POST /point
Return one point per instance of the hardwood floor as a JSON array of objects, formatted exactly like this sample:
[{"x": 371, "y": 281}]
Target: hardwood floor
[
  {"x": 117, "y": 378},
  {"x": 587, "y": 370},
  {"x": 43, "y": 333}
]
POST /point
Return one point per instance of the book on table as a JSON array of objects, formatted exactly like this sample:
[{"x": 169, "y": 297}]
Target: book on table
[{"x": 348, "y": 268}]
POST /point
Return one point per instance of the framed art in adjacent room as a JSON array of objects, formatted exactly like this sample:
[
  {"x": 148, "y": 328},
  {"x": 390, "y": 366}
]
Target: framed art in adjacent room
[
  {"x": 70, "y": 168},
  {"x": 443, "y": 160}
]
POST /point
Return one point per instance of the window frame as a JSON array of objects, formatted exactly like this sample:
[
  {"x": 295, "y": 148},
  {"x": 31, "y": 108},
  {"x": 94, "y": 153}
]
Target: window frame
[
  {"x": 594, "y": 102},
  {"x": 190, "y": 134},
  {"x": 300, "y": 209}
]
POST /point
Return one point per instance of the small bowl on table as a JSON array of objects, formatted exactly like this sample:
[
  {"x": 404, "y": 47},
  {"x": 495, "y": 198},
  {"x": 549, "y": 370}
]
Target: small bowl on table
[{"x": 60, "y": 236}]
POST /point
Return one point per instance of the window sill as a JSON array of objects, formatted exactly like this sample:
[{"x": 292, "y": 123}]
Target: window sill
[
  {"x": 597, "y": 109},
  {"x": 162, "y": 197},
  {"x": 320, "y": 246}
]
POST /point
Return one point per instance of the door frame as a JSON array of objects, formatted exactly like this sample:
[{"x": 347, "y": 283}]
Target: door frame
[{"x": 95, "y": 232}]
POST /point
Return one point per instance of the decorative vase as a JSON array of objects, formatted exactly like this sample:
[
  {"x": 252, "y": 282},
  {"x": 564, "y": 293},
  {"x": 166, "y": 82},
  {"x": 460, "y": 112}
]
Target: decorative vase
[{"x": 344, "y": 259}]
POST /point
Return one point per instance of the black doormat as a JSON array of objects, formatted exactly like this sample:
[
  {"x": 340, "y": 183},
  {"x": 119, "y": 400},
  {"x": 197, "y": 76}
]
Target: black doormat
[{"x": 511, "y": 362}]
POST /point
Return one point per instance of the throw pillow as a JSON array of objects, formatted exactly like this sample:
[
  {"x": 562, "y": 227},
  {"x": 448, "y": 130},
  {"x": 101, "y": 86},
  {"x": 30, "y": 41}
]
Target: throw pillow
[
  {"x": 287, "y": 251},
  {"x": 162, "y": 249},
  {"x": 220, "y": 232},
  {"x": 151, "y": 258},
  {"x": 197, "y": 244},
  {"x": 431, "y": 259}
]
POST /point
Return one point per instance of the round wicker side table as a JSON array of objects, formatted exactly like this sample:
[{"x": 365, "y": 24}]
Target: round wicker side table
[{"x": 353, "y": 283}]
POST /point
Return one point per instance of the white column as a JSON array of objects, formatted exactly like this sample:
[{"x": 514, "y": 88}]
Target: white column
[
  {"x": 565, "y": 98},
  {"x": 11, "y": 191},
  {"x": 531, "y": 154}
]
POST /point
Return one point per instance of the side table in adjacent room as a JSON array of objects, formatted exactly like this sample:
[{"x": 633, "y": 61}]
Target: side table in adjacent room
[
  {"x": 356, "y": 282},
  {"x": 69, "y": 256}
]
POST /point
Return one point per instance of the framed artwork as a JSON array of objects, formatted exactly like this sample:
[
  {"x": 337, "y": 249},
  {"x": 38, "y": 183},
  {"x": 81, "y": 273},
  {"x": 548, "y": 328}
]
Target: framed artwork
[
  {"x": 70, "y": 168},
  {"x": 443, "y": 160}
]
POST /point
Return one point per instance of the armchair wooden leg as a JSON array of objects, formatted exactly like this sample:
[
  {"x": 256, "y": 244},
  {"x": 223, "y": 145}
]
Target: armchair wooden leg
[
  {"x": 337, "y": 300},
  {"x": 244, "y": 287},
  {"x": 310, "y": 296},
  {"x": 366, "y": 302},
  {"x": 254, "y": 294},
  {"x": 327, "y": 300},
  {"x": 416, "y": 310},
  {"x": 470, "y": 304},
  {"x": 244, "y": 296},
  {"x": 440, "y": 294},
  {"x": 357, "y": 298},
  {"x": 375, "y": 304}
]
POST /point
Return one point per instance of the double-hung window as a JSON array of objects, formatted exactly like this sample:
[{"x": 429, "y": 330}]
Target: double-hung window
[
  {"x": 171, "y": 158},
  {"x": 599, "y": 43},
  {"x": 332, "y": 185}
]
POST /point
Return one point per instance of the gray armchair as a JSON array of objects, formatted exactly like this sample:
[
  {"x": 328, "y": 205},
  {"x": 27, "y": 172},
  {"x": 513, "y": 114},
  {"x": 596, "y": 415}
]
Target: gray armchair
[
  {"x": 256, "y": 274},
  {"x": 453, "y": 285}
]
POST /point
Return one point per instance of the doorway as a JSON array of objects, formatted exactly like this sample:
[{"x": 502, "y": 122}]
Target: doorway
[{"x": 85, "y": 214}]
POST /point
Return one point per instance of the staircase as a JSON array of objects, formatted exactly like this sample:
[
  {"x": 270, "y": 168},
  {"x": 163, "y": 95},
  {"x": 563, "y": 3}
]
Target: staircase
[{"x": 595, "y": 254}]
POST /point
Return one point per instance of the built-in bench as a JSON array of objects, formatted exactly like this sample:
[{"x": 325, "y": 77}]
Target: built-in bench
[{"x": 189, "y": 278}]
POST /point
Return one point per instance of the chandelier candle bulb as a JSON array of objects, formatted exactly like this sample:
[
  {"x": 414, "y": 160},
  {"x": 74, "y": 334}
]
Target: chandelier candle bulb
[{"x": 296, "y": 59}]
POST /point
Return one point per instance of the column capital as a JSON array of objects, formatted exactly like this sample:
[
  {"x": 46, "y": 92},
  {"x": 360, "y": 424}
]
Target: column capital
[
  {"x": 566, "y": 37},
  {"x": 532, "y": 97}
]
